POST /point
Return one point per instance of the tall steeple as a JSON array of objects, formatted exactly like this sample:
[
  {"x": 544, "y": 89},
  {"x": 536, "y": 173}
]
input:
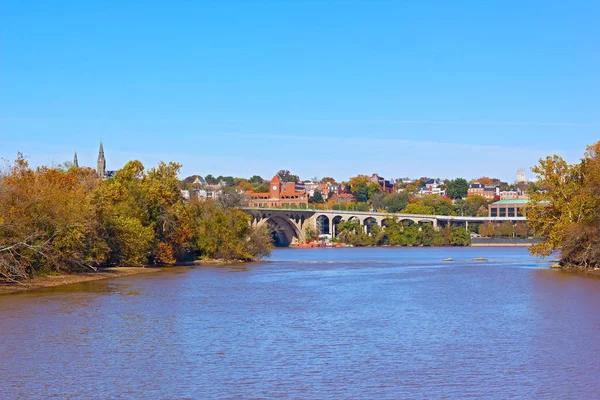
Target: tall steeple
[
  {"x": 75, "y": 160},
  {"x": 101, "y": 165}
]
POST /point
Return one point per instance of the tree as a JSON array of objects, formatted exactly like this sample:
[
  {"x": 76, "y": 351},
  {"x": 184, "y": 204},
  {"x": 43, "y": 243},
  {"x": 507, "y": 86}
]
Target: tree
[
  {"x": 487, "y": 229},
  {"x": 318, "y": 197},
  {"x": 373, "y": 189},
  {"x": 484, "y": 180},
  {"x": 396, "y": 202},
  {"x": 566, "y": 214},
  {"x": 285, "y": 176},
  {"x": 211, "y": 180},
  {"x": 244, "y": 186},
  {"x": 521, "y": 229},
  {"x": 229, "y": 180},
  {"x": 507, "y": 229},
  {"x": 475, "y": 204},
  {"x": 378, "y": 200},
  {"x": 361, "y": 192},
  {"x": 256, "y": 180},
  {"x": 59, "y": 220},
  {"x": 230, "y": 198},
  {"x": 262, "y": 188},
  {"x": 327, "y": 179},
  {"x": 458, "y": 188},
  {"x": 418, "y": 209},
  {"x": 441, "y": 205},
  {"x": 459, "y": 236}
]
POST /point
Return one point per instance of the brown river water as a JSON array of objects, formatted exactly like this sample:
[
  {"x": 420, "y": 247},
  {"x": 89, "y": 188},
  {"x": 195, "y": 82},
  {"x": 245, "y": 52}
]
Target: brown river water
[{"x": 315, "y": 323}]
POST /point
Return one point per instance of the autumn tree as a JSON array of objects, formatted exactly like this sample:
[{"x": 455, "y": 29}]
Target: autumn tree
[
  {"x": 327, "y": 179},
  {"x": 487, "y": 229},
  {"x": 566, "y": 214}
]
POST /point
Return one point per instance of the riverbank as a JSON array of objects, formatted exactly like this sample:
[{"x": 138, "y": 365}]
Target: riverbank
[
  {"x": 60, "y": 280},
  {"x": 501, "y": 244},
  {"x": 578, "y": 270}
]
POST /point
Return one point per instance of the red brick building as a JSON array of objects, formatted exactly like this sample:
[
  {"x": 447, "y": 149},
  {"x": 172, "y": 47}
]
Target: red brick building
[
  {"x": 386, "y": 186},
  {"x": 291, "y": 194},
  {"x": 487, "y": 191}
]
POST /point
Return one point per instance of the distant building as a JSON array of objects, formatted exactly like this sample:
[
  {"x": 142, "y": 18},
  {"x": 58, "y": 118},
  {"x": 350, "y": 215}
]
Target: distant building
[
  {"x": 487, "y": 191},
  {"x": 310, "y": 187},
  {"x": 327, "y": 188},
  {"x": 209, "y": 192},
  {"x": 508, "y": 208},
  {"x": 512, "y": 194},
  {"x": 280, "y": 194},
  {"x": 343, "y": 198},
  {"x": 521, "y": 176},
  {"x": 101, "y": 165},
  {"x": 385, "y": 185},
  {"x": 199, "y": 181},
  {"x": 432, "y": 187}
]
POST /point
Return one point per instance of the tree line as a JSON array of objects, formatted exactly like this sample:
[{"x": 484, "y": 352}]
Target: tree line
[
  {"x": 402, "y": 233},
  {"x": 65, "y": 219}
]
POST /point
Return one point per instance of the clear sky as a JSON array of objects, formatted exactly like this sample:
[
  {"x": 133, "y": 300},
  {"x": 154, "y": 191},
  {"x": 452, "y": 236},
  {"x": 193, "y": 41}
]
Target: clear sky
[{"x": 401, "y": 88}]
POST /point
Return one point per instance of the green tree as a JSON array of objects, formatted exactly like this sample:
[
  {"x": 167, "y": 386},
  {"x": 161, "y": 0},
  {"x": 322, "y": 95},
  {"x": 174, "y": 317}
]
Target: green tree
[
  {"x": 459, "y": 236},
  {"x": 419, "y": 209},
  {"x": 440, "y": 205},
  {"x": 285, "y": 176},
  {"x": 361, "y": 192},
  {"x": 457, "y": 188},
  {"x": 373, "y": 188},
  {"x": 378, "y": 200},
  {"x": 318, "y": 197},
  {"x": 256, "y": 180},
  {"x": 396, "y": 202}
]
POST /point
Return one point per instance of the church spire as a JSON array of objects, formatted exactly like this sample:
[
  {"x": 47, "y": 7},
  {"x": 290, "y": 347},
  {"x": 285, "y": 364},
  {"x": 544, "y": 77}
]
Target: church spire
[
  {"x": 101, "y": 165},
  {"x": 75, "y": 160}
]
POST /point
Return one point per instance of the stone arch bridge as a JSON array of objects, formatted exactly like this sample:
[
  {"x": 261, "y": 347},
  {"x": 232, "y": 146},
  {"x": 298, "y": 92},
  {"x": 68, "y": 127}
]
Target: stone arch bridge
[{"x": 289, "y": 225}]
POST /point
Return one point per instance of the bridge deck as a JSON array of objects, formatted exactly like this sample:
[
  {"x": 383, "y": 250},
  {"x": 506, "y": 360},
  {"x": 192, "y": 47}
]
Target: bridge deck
[{"x": 445, "y": 218}]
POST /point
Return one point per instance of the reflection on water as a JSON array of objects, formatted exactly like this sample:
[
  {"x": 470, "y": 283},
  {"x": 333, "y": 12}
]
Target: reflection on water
[{"x": 318, "y": 323}]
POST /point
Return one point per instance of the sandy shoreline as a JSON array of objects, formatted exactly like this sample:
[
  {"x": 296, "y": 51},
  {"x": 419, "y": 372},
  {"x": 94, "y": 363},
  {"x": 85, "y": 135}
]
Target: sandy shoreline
[{"x": 51, "y": 281}]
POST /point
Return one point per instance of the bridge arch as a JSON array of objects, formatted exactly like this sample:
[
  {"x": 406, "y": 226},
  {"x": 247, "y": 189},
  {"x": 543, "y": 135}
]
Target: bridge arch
[
  {"x": 283, "y": 230},
  {"x": 368, "y": 223},
  {"x": 408, "y": 221},
  {"x": 323, "y": 225},
  {"x": 334, "y": 223}
]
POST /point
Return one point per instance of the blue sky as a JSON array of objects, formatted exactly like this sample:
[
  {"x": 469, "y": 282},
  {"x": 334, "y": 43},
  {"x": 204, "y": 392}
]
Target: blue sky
[{"x": 337, "y": 88}]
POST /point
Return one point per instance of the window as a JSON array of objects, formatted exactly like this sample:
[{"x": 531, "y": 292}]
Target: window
[
  {"x": 503, "y": 212},
  {"x": 511, "y": 212},
  {"x": 494, "y": 212}
]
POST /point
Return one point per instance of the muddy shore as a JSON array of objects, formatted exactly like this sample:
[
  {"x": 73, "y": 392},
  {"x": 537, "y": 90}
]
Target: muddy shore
[{"x": 50, "y": 281}]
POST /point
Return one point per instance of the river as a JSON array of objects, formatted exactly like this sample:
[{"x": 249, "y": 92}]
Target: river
[{"x": 315, "y": 323}]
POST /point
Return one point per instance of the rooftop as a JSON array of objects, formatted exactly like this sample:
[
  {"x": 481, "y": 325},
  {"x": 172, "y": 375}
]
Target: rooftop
[{"x": 514, "y": 201}]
